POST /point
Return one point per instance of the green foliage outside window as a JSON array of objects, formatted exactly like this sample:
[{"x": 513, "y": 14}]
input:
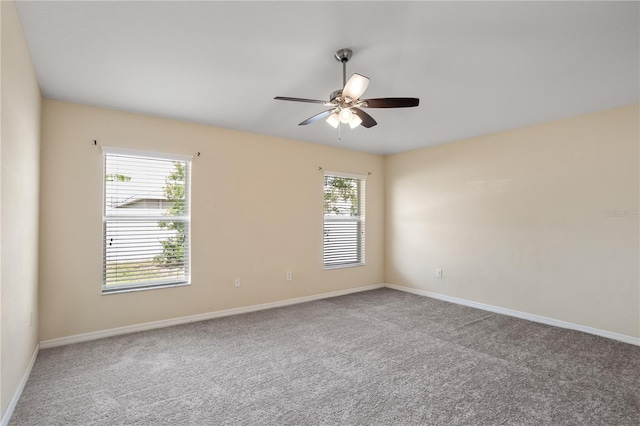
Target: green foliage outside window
[
  {"x": 173, "y": 254},
  {"x": 115, "y": 177},
  {"x": 340, "y": 193}
]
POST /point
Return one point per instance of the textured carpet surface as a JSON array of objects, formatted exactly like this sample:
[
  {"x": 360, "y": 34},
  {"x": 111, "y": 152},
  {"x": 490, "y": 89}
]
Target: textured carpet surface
[{"x": 379, "y": 357}]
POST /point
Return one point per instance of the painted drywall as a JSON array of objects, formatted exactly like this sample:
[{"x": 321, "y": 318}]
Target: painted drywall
[
  {"x": 256, "y": 214},
  {"x": 542, "y": 220},
  {"x": 19, "y": 183}
]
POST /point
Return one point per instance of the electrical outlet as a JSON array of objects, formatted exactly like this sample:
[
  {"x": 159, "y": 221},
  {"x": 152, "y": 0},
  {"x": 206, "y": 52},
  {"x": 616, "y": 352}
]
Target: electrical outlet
[
  {"x": 289, "y": 276},
  {"x": 439, "y": 272},
  {"x": 236, "y": 283}
]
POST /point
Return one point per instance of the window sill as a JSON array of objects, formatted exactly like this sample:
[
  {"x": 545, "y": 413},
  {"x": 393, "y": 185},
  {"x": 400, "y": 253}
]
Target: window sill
[
  {"x": 348, "y": 265},
  {"x": 106, "y": 292}
]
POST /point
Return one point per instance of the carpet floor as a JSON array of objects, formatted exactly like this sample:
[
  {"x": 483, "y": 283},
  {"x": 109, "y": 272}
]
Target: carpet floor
[{"x": 380, "y": 357}]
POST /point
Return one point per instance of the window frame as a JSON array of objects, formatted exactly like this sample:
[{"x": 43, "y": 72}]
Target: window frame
[
  {"x": 360, "y": 220},
  {"x": 186, "y": 218}
]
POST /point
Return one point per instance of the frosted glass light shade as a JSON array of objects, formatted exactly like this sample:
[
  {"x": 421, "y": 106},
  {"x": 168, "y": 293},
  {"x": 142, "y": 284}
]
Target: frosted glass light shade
[
  {"x": 334, "y": 120},
  {"x": 346, "y": 115}
]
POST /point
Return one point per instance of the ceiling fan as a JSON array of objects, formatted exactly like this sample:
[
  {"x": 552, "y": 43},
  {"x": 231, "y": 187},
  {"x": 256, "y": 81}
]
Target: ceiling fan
[{"x": 346, "y": 105}]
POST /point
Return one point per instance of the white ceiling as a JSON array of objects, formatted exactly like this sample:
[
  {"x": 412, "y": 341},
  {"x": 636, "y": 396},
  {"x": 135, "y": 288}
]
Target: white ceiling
[{"x": 477, "y": 67}]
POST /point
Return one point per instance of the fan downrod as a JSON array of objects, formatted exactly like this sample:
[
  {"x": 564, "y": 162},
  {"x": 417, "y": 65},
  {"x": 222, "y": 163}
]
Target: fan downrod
[{"x": 343, "y": 55}]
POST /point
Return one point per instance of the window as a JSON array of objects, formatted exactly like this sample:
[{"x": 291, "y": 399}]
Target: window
[
  {"x": 146, "y": 220},
  {"x": 343, "y": 241}
]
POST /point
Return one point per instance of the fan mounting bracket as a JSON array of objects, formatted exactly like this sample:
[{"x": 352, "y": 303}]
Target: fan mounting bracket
[{"x": 343, "y": 55}]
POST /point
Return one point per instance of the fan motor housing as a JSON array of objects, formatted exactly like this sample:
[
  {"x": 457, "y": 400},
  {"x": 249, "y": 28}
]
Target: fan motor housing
[{"x": 335, "y": 94}]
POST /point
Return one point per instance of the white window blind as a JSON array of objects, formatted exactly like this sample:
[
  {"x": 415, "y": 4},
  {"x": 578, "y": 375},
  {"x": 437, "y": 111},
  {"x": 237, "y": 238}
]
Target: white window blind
[
  {"x": 344, "y": 225},
  {"x": 146, "y": 220}
]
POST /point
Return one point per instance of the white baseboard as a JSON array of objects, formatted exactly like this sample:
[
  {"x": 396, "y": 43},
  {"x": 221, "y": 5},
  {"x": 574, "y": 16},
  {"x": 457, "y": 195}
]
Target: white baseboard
[
  {"x": 77, "y": 338},
  {"x": 512, "y": 313},
  {"x": 16, "y": 395}
]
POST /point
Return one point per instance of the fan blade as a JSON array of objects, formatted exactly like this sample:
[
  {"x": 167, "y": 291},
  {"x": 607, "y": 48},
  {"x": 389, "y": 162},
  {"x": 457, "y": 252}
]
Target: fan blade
[
  {"x": 317, "y": 117},
  {"x": 311, "y": 101},
  {"x": 367, "y": 120},
  {"x": 391, "y": 102},
  {"x": 355, "y": 86}
]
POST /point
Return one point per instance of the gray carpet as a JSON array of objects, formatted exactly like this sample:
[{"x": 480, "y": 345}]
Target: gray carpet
[{"x": 379, "y": 357}]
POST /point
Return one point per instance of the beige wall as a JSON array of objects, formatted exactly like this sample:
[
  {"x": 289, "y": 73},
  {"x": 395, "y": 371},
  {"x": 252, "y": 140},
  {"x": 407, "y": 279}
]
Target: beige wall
[
  {"x": 20, "y": 144},
  {"x": 518, "y": 220},
  {"x": 256, "y": 213}
]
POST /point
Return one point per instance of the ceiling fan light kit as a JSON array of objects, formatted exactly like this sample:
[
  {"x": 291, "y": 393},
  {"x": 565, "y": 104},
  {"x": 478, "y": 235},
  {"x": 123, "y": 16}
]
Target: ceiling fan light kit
[
  {"x": 346, "y": 105},
  {"x": 346, "y": 115},
  {"x": 334, "y": 120}
]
